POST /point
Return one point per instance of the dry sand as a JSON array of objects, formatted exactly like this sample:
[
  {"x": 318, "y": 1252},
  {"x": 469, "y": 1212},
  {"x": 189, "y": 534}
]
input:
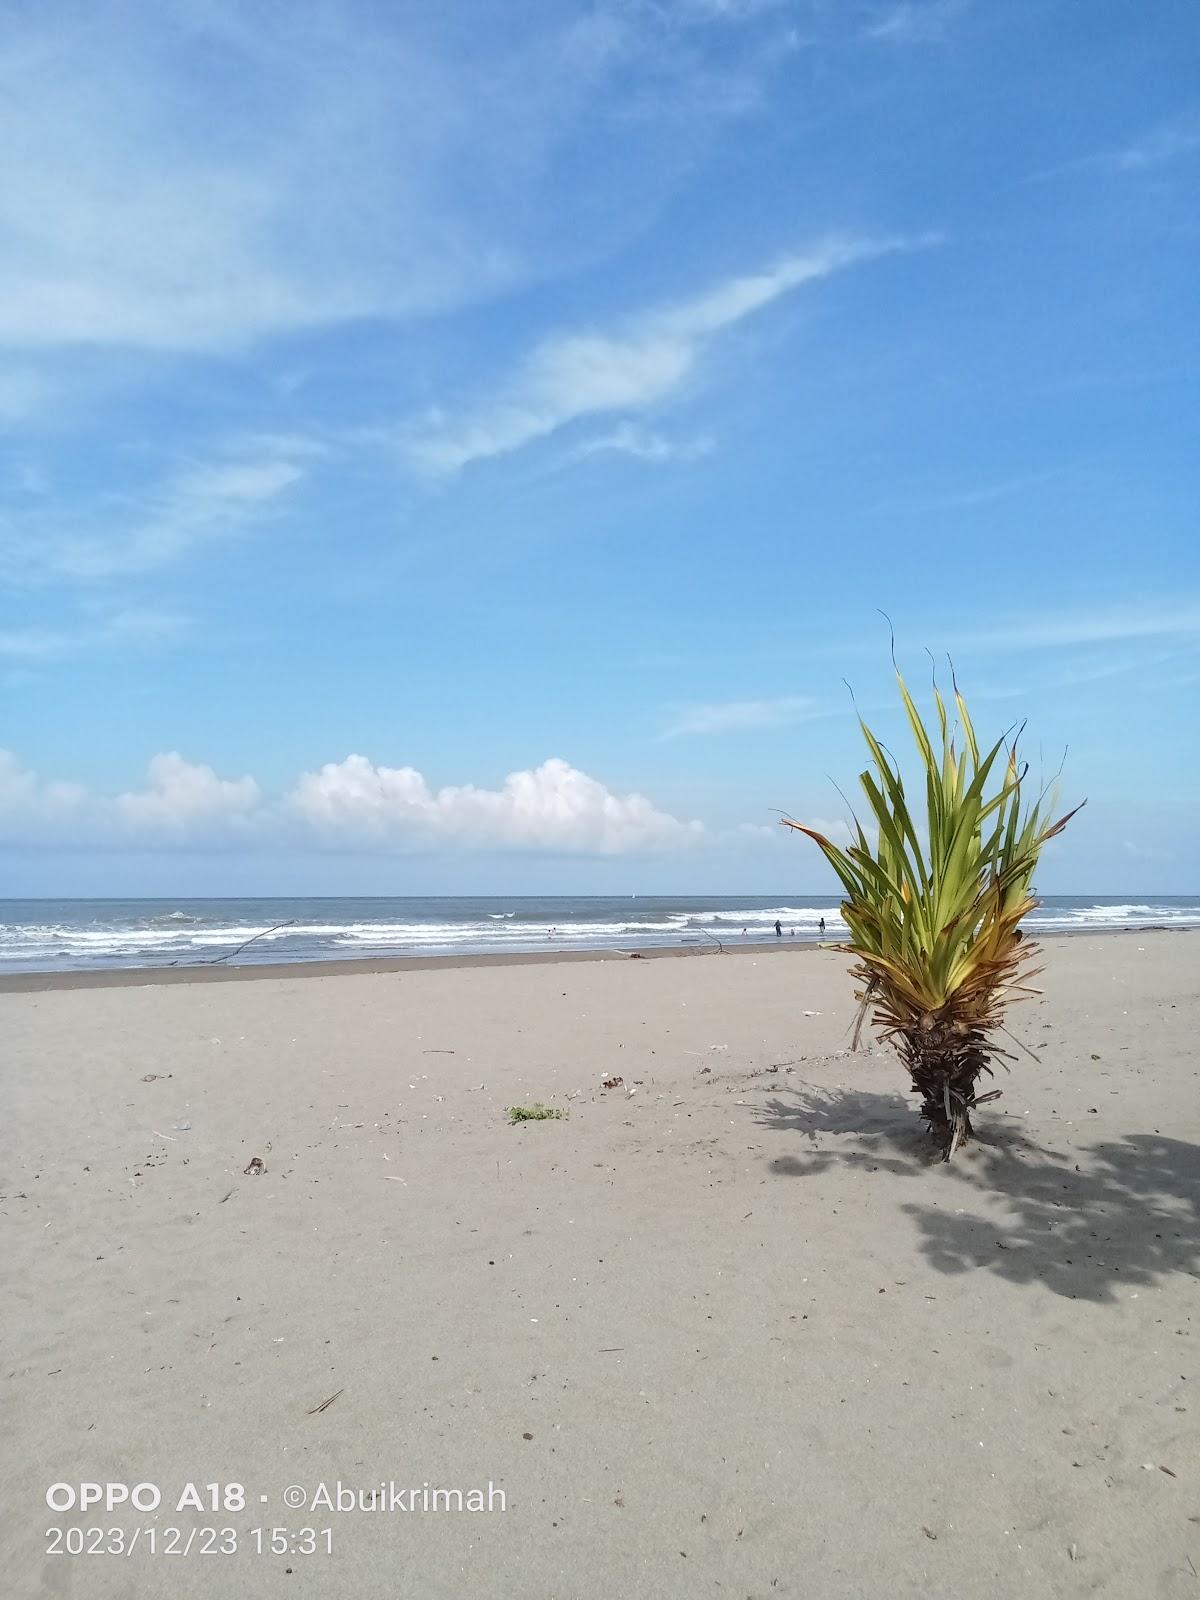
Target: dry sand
[{"x": 728, "y": 1335}]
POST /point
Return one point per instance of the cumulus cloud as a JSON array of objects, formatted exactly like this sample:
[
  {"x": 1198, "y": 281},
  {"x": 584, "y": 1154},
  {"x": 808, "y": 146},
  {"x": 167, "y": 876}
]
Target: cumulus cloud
[
  {"x": 552, "y": 807},
  {"x": 26, "y": 798},
  {"x": 185, "y": 798},
  {"x": 353, "y": 803},
  {"x": 571, "y": 376}
]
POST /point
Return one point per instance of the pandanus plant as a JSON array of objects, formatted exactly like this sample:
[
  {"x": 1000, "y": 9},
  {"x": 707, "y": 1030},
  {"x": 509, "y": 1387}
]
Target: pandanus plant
[{"x": 935, "y": 913}]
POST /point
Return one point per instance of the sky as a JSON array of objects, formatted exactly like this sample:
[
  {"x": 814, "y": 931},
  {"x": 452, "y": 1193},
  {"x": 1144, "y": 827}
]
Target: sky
[{"x": 466, "y": 448}]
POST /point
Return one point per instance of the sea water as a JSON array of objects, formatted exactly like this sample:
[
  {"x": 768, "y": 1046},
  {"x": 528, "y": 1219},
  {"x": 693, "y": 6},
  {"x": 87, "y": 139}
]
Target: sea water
[{"x": 66, "y": 935}]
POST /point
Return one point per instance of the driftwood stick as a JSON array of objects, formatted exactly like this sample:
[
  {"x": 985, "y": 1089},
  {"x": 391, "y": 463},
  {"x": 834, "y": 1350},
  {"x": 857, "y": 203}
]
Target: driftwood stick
[{"x": 229, "y": 954}]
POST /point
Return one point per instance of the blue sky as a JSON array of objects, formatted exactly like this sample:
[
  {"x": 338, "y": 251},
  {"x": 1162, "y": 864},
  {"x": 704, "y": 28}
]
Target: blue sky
[{"x": 462, "y": 447}]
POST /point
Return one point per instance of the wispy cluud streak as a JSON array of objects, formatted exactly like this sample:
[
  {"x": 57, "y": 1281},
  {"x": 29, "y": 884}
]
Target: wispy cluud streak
[
  {"x": 201, "y": 504},
  {"x": 730, "y": 715},
  {"x": 915, "y": 21},
  {"x": 351, "y": 803},
  {"x": 576, "y": 375},
  {"x": 643, "y": 444},
  {"x": 1180, "y": 136},
  {"x": 1158, "y": 621},
  {"x": 363, "y": 161}
]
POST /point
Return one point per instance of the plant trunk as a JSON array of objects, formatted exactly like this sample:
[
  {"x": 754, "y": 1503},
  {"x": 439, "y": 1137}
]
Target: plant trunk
[{"x": 945, "y": 1061}]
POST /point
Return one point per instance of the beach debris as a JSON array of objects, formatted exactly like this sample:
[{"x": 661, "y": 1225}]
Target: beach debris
[
  {"x": 535, "y": 1113},
  {"x": 527, "y": 1436},
  {"x": 256, "y": 1167},
  {"x": 812, "y": 1013},
  {"x": 154, "y": 1077},
  {"x": 612, "y": 1083},
  {"x": 325, "y": 1404},
  {"x": 229, "y": 955}
]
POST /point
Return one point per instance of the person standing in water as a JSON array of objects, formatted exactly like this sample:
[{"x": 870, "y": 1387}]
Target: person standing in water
[{"x": 778, "y": 929}]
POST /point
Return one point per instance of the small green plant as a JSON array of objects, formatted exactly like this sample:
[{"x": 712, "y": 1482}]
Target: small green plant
[
  {"x": 535, "y": 1113},
  {"x": 934, "y": 907}
]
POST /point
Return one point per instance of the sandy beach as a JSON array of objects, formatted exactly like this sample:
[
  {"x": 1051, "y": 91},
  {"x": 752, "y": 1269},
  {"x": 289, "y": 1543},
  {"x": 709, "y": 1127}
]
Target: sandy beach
[{"x": 721, "y": 1329}]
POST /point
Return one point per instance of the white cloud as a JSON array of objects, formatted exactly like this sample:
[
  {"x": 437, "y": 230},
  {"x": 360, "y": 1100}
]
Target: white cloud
[
  {"x": 1170, "y": 140},
  {"x": 191, "y": 174},
  {"x": 34, "y": 644},
  {"x": 132, "y": 624},
  {"x": 572, "y": 376},
  {"x": 198, "y": 505},
  {"x": 141, "y": 623},
  {"x": 965, "y": 499},
  {"x": 728, "y": 716},
  {"x": 553, "y": 807},
  {"x": 27, "y": 799},
  {"x": 730, "y": 10},
  {"x": 125, "y": 536},
  {"x": 184, "y": 798},
  {"x": 628, "y": 439},
  {"x": 354, "y": 803},
  {"x": 915, "y": 21},
  {"x": 1095, "y": 627},
  {"x": 1179, "y": 136}
]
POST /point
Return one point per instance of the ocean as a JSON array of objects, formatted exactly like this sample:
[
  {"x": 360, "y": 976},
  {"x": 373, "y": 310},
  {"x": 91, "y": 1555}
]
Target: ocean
[{"x": 83, "y": 935}]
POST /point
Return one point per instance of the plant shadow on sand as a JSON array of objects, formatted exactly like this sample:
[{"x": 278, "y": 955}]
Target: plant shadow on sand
[{"x": 1086, "y": 1223}]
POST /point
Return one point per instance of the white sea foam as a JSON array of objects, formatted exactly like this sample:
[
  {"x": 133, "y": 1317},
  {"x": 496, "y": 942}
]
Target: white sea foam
[{"x": 147, "y": 936}]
